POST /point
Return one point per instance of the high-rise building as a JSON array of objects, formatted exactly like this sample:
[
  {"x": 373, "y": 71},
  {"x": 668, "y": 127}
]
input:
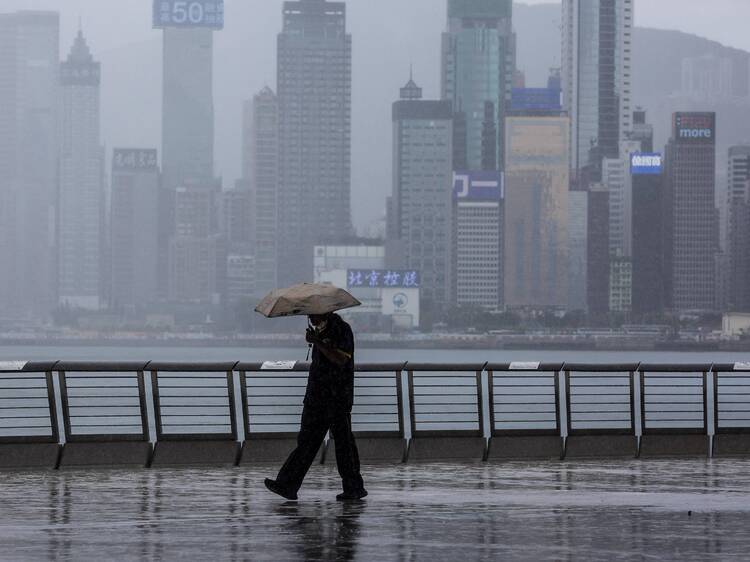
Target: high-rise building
[
  {"x": 29, "y": 148},
  {"x": 314, "y": 98},
  {"x": 690, "y": 214},
  {"x": 197, "y": 252},
  {"x": 578, "y": 202},
  {"x": 187, "y": 112},
  {"x": 478, "y": 239},
  {"x": 647, "y": 222},
  {"x": 187, "y": 106},
  {"x": 261, "y": 171},
  {"x": 478, "y": 70},
  {"x": 536, "y": 211},
  {"x": 596, "y": 77},
  {"x": 616, "y": 176},
  {"x": 421, "y": 198},
  {"x": 738, "y": 228},
  {"x": 80, "y": 213},
  {"x": 597, "y": 252},
  {"x": 134, "y": 222}
]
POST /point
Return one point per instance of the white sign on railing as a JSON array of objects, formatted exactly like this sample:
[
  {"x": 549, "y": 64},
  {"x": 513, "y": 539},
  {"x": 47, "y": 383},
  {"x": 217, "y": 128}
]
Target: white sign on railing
[
  {"x": 742, "y": 366},
  {"x": 12, "y": 365},
  {"x": 524, "y": 366},
  {"x": 278, "y": 365}
]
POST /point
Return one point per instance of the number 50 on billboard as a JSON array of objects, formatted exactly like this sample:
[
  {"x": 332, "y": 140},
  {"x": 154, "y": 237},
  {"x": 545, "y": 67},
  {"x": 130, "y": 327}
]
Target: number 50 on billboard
[{"x": 189, "y": 13}]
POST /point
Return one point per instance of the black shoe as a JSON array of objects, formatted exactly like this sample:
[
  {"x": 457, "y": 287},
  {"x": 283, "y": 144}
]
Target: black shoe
[
  {"x": 276, "y": 488},
  {"x": 346, "y": 496}
]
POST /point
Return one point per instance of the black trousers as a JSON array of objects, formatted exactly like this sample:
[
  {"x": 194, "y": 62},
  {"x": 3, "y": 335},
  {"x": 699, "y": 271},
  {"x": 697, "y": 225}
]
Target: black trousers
[{"x": 316, "y": 421}]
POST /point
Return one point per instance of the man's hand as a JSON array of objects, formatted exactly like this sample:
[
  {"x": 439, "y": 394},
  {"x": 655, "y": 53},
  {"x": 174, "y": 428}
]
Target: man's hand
[{"x": 311, "y": 336}]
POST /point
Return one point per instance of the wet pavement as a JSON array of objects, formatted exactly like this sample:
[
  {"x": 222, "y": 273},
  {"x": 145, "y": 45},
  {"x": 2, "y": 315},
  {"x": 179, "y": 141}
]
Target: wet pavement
[{"x": 619, "y": 510}]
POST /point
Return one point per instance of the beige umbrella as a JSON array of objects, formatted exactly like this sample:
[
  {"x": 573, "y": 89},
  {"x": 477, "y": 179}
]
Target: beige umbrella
[{"x": 305, "y": 299}]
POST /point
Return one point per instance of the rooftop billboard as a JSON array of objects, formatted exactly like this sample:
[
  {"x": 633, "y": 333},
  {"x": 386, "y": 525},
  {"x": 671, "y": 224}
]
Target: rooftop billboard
[
  {"x": 695, "y": 127},
  {"x": 646, "y": 163},
  {"x": 478, "y": 185},
  {"x": 189, "y": 13}
]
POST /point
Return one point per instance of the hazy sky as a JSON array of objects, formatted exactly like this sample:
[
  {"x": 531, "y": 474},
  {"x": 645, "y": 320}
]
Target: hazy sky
[{"x": 387, "y": 35}]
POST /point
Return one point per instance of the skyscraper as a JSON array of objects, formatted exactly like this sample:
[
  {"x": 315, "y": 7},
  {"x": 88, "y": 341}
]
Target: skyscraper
[
  {"x": 134, "y": 223},
  {"x": 648, "y": 224},
  {"x": 690, "y": 213},
  {"x": 478, "y": 213},
  {"x": 596, "y": 77},
  {"x": 422, "y": 186},
  {"x": 477, "y": 77},
  {"x": 597, "y": 252},
  {"x": 536, "y": 211},
  {"x": 29, "y": 98},
  {"x": 314, "y": 97},
  {"x": 81, "y": 196},
  {"x": 261, "y": 171},
  {"x": 187, "y": 106},
  {"x": 738, "y": 228},
  {"x": 187, "y": 121}
]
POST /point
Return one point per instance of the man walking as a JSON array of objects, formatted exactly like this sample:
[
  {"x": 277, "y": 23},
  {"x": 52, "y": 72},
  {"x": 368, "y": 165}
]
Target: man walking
[{"x": 328, "y": 405}]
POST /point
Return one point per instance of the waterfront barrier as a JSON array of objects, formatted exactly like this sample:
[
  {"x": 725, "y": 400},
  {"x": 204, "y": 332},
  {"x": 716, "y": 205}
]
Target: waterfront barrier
[{"x": 149, "y": 414}]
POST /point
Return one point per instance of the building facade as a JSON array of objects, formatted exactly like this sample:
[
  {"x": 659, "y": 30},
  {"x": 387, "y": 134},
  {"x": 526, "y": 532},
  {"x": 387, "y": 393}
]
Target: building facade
[
  {"x": 690, "y": 213},
  {"x": 134, "y": 223},
  {"x": 648, "y": 225},
  {"x": 187, "y": 106},
  {"x": 738, "y": 228},
  {"x": 29, "y": 148},
  {"x": 578, "y": 203},
  {"x": 261, "y": 171},
  {"x": 536, "y": 211},
  {"x": 314, "y": 97},
  {"x": 478, "y": 214},
  {"x": 597, "y": 76},
  {"x": 422, "y": 185},
  {"x": 478, "y": 65},
  {"x": 80, "y": 213},
  {"x": 597, "y": 250}
]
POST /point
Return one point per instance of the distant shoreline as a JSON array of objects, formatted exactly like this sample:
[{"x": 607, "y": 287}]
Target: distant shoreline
[{"x": 453, "y": 343}]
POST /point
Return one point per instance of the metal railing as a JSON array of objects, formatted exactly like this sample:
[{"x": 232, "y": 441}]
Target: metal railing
[{"x": 69, "y": 402}]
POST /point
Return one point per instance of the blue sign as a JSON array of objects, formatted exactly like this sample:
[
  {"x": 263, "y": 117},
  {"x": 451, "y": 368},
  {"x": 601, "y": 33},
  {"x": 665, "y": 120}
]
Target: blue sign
[
  {"x": 478, "y": 186},
  {"x": 646, "y": 163},
  {"x": 189, "y": 13},
  {"x": 535, "y": 99},
  {"x": 382, "y": 278}
]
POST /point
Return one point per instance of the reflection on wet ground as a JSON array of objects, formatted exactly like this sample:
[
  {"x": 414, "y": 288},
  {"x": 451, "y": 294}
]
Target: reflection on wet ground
[{"x": 630, "y": 510}]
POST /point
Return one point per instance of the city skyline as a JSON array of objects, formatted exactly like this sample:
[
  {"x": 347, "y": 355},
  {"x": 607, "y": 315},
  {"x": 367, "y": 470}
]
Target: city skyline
[{"x": 135, "y": 47}]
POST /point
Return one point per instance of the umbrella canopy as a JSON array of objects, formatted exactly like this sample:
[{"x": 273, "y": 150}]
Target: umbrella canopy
[{"x": 305, "y": 299}]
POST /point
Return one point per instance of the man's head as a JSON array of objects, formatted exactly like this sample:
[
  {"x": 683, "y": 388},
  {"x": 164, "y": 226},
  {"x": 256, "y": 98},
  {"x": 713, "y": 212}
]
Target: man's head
[{"x": 319, "y": 321}]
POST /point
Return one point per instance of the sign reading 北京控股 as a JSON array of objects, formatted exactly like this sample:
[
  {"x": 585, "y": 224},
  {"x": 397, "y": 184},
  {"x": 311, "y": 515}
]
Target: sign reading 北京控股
[
  {"x": 382, "y": 278},
  {"x": 646, "y": 163},
  {"x": 695, "y": 127},
  {"x": 189, "y": 13}
]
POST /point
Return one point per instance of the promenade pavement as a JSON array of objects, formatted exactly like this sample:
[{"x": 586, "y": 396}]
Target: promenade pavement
[{"x": 594, "y": 510}]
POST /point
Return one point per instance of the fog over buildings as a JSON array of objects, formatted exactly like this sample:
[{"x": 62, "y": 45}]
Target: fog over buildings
[{"x": 269, "y": 134}]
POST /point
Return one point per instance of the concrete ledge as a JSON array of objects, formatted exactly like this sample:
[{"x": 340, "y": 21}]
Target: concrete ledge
[
  {"x": 373, "y": 450},
  {"x": 525, "y": 447},
  {"x": 685, "y": 445},
  {"x": 435, "y": 449},
  {"x": 29, "y": 455},
  {"x": 188, "y": 453},
  {"x": 598, "y": 446},
  {"x": 110, "y": 454},
  {"x": 728, "y": 445}
]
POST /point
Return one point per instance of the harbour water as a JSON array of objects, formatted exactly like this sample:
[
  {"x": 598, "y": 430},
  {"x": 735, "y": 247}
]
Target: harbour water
[{"x": 209, "y": 354}]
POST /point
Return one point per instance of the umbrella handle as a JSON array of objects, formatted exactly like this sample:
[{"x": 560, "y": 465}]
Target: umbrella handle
[{"x": 309, "y": 347}]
